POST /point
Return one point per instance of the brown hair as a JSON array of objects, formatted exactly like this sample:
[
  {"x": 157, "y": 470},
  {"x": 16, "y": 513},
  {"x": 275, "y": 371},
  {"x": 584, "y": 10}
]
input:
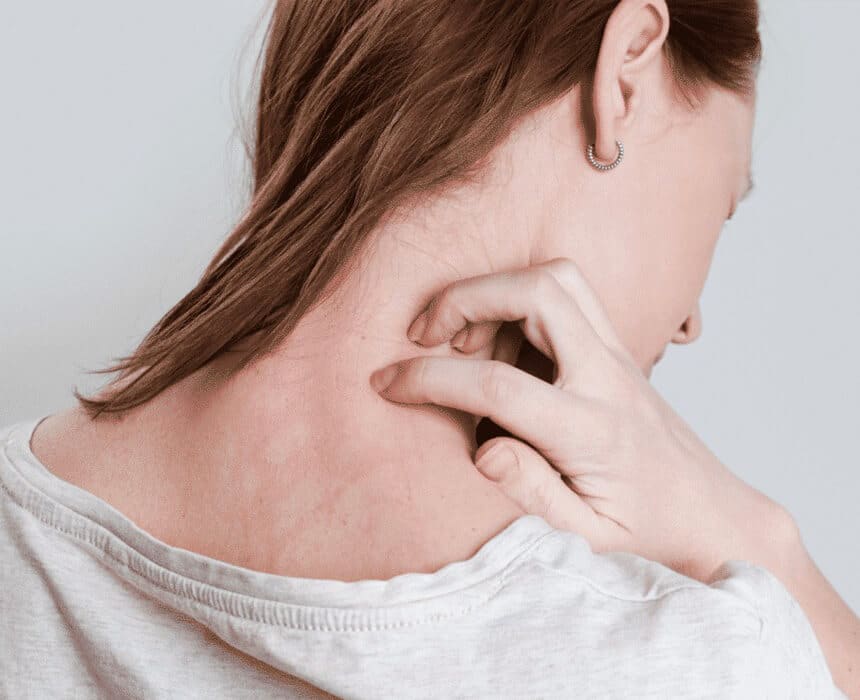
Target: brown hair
[{"x": 364, "y": 104}]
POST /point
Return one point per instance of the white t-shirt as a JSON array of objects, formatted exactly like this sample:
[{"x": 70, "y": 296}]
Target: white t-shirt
[{"x": 91, "y": 606}]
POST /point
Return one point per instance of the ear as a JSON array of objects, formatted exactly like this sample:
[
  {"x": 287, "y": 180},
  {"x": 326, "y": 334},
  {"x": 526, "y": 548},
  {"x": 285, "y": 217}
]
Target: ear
[{"x": 632, "y": 44}]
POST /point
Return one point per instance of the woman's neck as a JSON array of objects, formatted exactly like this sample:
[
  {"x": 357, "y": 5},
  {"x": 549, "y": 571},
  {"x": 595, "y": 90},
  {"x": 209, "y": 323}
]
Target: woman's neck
[{"x": 294, "y": 464}]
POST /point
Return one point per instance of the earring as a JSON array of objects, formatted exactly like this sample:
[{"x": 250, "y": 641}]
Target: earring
[{"x": 601, "y": 166}]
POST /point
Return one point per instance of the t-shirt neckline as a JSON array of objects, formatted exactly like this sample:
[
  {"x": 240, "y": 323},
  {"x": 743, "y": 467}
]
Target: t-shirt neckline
[{"x": 294, "y": 601}]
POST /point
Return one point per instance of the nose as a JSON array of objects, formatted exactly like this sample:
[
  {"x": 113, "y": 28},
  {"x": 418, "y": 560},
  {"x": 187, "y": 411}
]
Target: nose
[{"x": 690, "y": 329}]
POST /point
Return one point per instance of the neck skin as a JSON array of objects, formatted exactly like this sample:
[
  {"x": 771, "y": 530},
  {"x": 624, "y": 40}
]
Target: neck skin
[{"x": 300, "y": 442}]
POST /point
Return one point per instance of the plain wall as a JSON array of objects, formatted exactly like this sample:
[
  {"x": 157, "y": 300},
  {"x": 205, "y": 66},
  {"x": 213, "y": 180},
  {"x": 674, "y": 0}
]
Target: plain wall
[{"x": 122, "y": 170}]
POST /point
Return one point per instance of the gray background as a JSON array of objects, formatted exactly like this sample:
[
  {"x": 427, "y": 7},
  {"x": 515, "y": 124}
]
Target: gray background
[{"x": 122, "y": 169}]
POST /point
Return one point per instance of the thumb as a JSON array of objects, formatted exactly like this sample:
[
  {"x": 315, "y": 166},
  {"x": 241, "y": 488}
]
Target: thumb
[{"x": 534, "y": 485}]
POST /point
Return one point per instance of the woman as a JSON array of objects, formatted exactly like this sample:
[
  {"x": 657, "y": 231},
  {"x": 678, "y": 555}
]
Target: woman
[{"x": 240, "y": 514}]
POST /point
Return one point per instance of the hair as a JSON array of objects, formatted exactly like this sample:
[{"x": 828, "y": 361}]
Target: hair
[{"x": 365, "y": 104}]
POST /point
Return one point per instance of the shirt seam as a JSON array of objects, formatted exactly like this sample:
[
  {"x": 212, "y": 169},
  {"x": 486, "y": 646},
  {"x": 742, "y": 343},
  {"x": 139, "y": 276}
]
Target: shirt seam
[
  {"x": 226, "y": 597},
  {"x": 641, "y": 599}
]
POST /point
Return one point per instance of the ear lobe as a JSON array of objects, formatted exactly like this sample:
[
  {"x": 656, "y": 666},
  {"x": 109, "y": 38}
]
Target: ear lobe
[{"x": 632, "y": 39}]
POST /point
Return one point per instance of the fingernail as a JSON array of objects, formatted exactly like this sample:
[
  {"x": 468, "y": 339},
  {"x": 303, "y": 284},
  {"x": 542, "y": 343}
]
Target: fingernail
[
  {"x": 460, "y": 338},
  {"x": 416, "y": 330},
  {"x": 496, "y": 460},
  {"x": 381, "y": 378}
]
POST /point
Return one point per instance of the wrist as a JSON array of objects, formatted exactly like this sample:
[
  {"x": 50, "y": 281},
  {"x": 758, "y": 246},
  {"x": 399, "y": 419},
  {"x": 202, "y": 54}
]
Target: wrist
[
  {"x": 779, "y": 547},
  {"x": 763, "y": 533}
]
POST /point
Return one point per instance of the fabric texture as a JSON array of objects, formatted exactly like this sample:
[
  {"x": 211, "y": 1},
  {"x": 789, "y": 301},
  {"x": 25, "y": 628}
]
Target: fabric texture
[{"x": 91, "y": 606}]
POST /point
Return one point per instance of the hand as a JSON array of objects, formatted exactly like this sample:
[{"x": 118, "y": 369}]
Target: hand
[{"x": 597, "y": 451}]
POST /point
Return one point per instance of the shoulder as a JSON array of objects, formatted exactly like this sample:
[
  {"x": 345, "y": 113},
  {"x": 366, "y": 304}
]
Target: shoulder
[
  {"x": 741, "y": 630},
  {"x": 791, "y": 660},
  {"x": 628, "y": 622},
  {"x": 60, "y": 442},
  {"x": 624, "y": 590}
]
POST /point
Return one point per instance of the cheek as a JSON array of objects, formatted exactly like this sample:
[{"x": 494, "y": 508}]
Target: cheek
[
  {"x": 686, "y": 262},
  {"x": 692, "y": 249},
  {"x": 659, "y": 274}
]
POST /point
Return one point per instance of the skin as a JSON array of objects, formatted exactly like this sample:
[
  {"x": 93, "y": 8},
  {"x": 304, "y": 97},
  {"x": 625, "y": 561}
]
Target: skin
[{"x": 299, "y": 448}]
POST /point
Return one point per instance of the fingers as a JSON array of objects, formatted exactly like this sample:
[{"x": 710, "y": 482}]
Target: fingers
[
  {"x": 554, "y": 304},
  {"x": 549, "y": 316},
  {"x": 529, "y": 481},
  {"x": 571, "y": 278},
  {"x": 544, "y": 415}
]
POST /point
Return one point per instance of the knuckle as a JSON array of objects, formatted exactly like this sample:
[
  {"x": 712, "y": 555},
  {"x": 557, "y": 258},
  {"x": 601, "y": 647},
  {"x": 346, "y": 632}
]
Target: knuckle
[
  {"x": 419, "y": 371},
  {"x": 570, "y": 278},
  {"x": 543, "y": 284},
  {"x": 563, "y": 266},
  {"x": 568, "y": 381},
  {"x": 445, "y": 307},
  {"x": 444, "y": 298},
  {"x": 543, "y": 496},
  {"x": 568, "y": 275},
  {"x": 495, "y": 382}
]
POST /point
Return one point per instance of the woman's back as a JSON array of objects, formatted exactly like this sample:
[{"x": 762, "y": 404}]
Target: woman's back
[
  {"x": 534, "y": 613},
  {"x": 191, "y": 491}
]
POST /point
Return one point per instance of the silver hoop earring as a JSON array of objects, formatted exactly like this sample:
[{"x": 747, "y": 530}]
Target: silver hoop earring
[{"x": 605, "y": 166}]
